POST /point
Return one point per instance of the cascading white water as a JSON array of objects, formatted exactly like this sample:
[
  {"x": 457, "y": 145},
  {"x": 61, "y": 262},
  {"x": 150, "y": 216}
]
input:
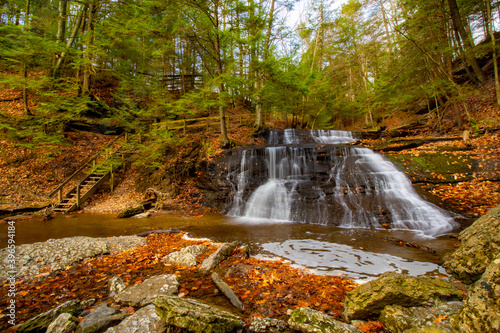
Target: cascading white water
[{"x": 350, "y": 187}]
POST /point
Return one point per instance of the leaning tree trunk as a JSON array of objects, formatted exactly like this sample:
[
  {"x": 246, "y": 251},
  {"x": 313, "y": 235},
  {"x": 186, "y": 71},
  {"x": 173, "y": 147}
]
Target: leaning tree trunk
[
  {"x": 71, "y": 39},
  {"x": 468, "y": 46}
]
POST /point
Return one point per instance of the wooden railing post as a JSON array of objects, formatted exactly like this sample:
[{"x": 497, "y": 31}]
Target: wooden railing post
[
  {"x": 78, "y": 196},
  {"x": 60, "y": 194}
]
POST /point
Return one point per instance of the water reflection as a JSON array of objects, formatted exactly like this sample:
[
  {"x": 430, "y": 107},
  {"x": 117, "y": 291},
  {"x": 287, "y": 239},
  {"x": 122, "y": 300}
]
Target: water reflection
[{"x": 359, "y": 253}]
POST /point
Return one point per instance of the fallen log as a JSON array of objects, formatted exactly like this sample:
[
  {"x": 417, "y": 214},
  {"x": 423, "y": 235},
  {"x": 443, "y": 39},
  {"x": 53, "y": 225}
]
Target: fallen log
[
  {"x": 160, "y": 231},
  {"x": 227, "y": 291}
]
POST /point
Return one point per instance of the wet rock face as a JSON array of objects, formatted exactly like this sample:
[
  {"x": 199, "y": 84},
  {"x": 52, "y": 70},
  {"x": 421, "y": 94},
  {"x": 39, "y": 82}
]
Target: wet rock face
[
  {"x": 481, "y": 312},
  {"x": 480, "y": 245},
  {"x": 369, "y": 299}
]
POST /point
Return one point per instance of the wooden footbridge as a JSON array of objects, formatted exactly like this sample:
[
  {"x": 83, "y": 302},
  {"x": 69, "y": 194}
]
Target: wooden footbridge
[{"x": 92, "y": 175}]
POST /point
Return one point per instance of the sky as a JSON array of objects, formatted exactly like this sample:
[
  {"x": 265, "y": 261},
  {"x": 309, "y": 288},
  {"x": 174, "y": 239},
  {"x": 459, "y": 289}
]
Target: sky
[{"x": 300, "y": 9}]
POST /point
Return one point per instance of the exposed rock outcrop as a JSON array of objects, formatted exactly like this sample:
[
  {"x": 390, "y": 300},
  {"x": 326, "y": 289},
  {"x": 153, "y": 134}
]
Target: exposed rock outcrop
[
  {"x": 481, "y": 312},
  {"x": 480, "y": 245}
]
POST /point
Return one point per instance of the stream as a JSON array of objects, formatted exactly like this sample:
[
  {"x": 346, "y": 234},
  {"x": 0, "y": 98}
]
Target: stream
[
  {"x": 362, "y": 254},
  {"x": 307, "y": 197}
]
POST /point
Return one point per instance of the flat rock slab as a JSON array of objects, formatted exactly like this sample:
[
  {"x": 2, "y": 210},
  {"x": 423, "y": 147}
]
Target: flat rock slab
[
  {"x": 146, "y": 292},
  {"x": 100, "y": 320},
  {"x": 311, "y": 321},
  {"x": 64, "y": 323},
  {"x": 41, "y": 322},
  {"x": 187, "y": 256},
  {"x": 195, "y": 316},
  {"x": 369, "y": 299},
  {"x": 480, "y": 245},
  {"x": 145, "y": 320}
]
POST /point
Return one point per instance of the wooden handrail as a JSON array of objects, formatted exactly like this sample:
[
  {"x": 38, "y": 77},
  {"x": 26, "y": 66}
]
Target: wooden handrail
[
  {"x": 183, "y": 120},
  {"x": 59, "y": 188}
]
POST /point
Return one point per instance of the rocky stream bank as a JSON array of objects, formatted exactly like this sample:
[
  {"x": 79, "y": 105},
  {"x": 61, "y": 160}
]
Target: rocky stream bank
[{"x": 127, "y": 284}]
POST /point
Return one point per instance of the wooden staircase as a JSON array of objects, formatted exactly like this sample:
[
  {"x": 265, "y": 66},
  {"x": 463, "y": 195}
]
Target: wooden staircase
[{"x": 93, "y": 175}]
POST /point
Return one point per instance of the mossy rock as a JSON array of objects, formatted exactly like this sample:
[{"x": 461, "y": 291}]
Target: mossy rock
[
  {"x": 309, "y": 320},
  {"x": 195, "y": 316},
  {"x": 41, "y": 322},
  {"x": 369, "y": 299},
  {"x": 131, "y": 211},
  {"x": 480, "y": 245}
]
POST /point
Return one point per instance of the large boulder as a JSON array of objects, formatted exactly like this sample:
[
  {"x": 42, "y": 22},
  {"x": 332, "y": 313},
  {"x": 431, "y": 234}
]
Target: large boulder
[
  {"x": 195, "y": 316},
  {"x": 481, "y": 312},
  {"x": 311, "y": 321},
  {"x": 480, "y": 245},
  {"x": 145, "y": 320},
  {"x": 399, "y": 319},
  {"x": 187, "y": 256},
  {"x": 369, "y": 299},
  {"x": 146, "y": 292},
  {"x": 41, "y": 322}
]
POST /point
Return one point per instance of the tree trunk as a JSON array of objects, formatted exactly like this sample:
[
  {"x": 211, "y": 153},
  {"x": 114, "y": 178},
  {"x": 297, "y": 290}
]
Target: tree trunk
[
  {"x": 219, "y": 70},
  {"x": 25, "y": 65},
  {"x": 468, "y": 45},
  {"x": 88, "y": 50},
  {"x": 493, "y": 45},
  {"x": 71, "y": 39}
]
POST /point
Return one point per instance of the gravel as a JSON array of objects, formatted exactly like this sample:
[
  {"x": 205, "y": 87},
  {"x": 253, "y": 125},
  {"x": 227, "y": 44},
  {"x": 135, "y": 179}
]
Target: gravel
[{"x": 41, "y": 258}]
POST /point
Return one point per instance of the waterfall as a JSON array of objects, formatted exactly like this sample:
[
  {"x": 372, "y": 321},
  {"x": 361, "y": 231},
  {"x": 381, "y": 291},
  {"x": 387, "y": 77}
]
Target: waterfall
[{"x": 330, "y": 183}]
